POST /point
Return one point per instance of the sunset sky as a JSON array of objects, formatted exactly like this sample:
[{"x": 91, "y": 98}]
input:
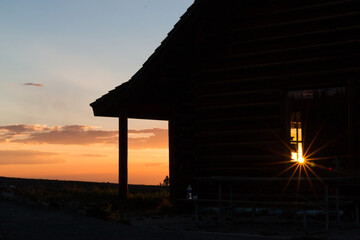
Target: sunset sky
[{"x": 56, "y": 58}]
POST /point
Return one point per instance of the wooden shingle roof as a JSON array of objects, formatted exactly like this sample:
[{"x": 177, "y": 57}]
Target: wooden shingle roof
[{"x": 119, "y": 99}]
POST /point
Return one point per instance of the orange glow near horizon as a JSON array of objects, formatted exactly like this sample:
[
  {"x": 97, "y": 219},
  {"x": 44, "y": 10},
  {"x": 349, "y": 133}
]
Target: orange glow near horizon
[{"x": 82, "y": 153}]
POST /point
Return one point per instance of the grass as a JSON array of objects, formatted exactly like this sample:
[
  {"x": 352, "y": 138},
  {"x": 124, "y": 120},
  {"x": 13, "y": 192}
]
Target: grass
[{"x": 91, "y": 199}]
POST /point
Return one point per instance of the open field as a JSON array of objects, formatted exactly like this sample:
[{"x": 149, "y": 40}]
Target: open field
[
  {"x": 86, "y": 198},
  {"x": 45, "y": 209}
]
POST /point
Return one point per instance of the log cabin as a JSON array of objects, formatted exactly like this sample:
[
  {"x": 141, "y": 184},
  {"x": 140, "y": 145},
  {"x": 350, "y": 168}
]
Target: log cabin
[{"x": 251, "y": 88}]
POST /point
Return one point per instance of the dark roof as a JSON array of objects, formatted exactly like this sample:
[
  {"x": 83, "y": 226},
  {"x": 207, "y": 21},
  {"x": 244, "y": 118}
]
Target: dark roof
[{"x": 115, "y": 101}]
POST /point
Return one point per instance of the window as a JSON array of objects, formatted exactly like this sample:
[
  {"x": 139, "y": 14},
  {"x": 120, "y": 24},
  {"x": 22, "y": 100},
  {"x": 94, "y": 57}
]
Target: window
[
  {"x": 296, "y": 142},
  {"x": 318, "y": 126}
]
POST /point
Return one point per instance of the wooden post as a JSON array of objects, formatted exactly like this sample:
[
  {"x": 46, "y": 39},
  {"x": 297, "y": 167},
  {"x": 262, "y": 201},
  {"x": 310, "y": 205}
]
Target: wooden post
[
  {"x": 172, "y": 167},
  {"x": 123, "y": 152}
]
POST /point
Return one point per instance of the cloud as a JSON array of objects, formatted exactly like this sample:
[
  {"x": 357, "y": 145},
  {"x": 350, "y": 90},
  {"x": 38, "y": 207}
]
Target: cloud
[
  {"x": 33, "y": 84},
  {"x": 21, "y": 128},
  {"x": 158, "y": 138},
  {"x": 70, "y": 135},
  {"x": 81, "y": 135},
  {"x": 28, "y": 157},
  {"x": 15, "y": 128},
  {"x": 11, "y": 132}
]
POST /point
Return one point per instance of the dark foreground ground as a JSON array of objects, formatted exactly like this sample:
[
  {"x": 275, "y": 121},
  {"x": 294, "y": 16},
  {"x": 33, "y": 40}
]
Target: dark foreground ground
[
  {"x": 23, "y": 222},
  {"x": 32, "y": 219}
]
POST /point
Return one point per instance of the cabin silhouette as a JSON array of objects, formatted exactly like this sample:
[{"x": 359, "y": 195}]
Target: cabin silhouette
[{"x": 250, "y": 88}]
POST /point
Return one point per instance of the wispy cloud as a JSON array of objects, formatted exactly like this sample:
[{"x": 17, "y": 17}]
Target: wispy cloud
[
  {"x": 68, "y": 135},
  {"x": 33, "y": 84},
  {"x": 28, "y": 157},
  {"x": 21, "y": 128},
  {"x": 81, "y": 135},
  {"x": 11, "y": 132},
  {"x": 148, "y": 138}
]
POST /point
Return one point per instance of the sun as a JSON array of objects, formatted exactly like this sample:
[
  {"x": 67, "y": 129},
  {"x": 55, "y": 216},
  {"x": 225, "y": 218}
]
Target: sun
[
  {"x": 301, "y": 160},
  {"x": 298, "y": 156}
]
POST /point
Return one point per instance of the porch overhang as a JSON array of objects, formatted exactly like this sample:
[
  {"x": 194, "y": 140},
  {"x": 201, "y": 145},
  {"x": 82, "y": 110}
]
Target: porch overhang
[{"x": 117, "y": 102}]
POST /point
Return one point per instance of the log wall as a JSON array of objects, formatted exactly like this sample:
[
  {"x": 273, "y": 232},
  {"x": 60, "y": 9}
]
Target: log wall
[{"x": 230, "y": 114}]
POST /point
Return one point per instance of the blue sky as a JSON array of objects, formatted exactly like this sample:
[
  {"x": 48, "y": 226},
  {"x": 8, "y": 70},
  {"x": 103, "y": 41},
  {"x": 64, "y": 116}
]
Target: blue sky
[{"x": 75, "y": 51}]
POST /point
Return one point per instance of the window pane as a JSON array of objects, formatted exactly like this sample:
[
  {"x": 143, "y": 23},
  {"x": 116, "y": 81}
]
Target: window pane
[{"x": 318, "y": 125}]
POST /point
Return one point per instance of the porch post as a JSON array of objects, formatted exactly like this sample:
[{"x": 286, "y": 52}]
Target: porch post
[
  {"x": 172, "y": 167},
  {"x": 123, "y": 153}
]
